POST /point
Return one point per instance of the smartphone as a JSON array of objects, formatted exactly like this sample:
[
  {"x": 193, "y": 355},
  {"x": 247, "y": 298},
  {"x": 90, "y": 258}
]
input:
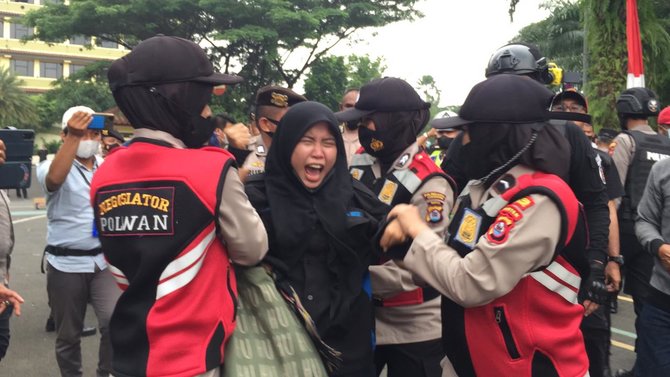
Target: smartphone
[
  {"x": 100, "y": 120},
  {"x": 17, "y": 169}
]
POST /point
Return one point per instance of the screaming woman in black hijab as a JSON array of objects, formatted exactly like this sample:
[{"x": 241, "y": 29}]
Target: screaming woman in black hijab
[{"x": 320, "y": 223}]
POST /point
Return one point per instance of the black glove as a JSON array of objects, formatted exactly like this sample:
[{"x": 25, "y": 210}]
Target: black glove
[{"x": 594, "y": 288}]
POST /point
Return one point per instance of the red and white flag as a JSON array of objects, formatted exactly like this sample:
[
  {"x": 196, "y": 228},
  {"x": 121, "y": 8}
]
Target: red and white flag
[{"x": 635, "y": 62}]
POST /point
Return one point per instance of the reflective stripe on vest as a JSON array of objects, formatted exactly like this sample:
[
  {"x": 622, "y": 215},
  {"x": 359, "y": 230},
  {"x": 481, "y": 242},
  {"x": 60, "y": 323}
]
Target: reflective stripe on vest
[
  {"x": 184, "y": 268},
  {"x": 558, "y": 279}
]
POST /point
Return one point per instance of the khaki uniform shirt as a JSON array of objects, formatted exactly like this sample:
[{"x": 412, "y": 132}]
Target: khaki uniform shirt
[
  {"x": 351, "y": 144},
  {"x": 255, "y": 162},
  {"x": 491, "y": 270},
  {"x": 413, "y": 323},
  {"x": 6, "y": 237},
  {"x": 242, "y": 230}
]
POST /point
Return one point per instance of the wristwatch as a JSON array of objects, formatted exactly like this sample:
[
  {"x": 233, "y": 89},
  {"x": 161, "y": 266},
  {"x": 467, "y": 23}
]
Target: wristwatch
[{"x": 618, "y": 259}]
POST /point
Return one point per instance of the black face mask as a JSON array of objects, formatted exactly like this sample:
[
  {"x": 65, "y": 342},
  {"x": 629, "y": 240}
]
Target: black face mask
[
  {"x": 474, "y": 166},
  {"x": 374, "y": 142},
  {"x": 352, "y": 124},
  {"x": 444, "y": 142},
  {"x": 200, "y": 130}
]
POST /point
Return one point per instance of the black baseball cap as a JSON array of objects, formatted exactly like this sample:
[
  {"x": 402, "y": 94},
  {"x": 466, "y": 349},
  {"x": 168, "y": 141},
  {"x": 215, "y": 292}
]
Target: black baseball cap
[
  {"x": 508, "y": 99},
  {"x": 163, "y": 60},
  {"x": 386, "y": 94},
  {"x": 607, "y": 134},
  {"x": 572, "y": 94}
]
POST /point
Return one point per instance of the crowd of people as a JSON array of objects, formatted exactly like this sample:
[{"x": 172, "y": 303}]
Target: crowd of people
[{"x": 491, "y": 242}]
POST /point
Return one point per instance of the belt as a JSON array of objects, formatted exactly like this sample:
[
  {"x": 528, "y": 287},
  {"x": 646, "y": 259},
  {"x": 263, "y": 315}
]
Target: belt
[
  {"x": 415, "y": 297},
  {"x": 65, "y": 252}
]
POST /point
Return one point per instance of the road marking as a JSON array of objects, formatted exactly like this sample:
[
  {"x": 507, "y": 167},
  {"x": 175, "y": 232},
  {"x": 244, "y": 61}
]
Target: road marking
[
  {"x": 623, "y": 345},
  {"x": 28, "y": 213},
  {"x": 28, "y": 219},
  {"x": 625, "y": 298},
  {"x": 624, "y": 333}
]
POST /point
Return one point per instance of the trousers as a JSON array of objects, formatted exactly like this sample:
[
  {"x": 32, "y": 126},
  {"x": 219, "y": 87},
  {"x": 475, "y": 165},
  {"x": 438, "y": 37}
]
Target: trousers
[{"x": 69, "y": 294}]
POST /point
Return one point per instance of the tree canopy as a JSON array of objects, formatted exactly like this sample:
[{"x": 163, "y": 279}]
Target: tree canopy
[
  {"x": 265, "y": 41},
  {"x": 332, "y": 75},
  {"x": 561, "y": 37},
  {"x": 16, "y": 108}
]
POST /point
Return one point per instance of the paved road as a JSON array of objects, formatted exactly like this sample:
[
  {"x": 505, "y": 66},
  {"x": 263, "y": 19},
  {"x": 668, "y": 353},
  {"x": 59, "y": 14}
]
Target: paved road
[{"x": 31, "y": 352}]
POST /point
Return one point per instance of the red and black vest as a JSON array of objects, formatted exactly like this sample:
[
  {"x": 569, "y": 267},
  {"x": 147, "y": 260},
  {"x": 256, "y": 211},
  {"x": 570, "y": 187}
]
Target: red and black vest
[
  {"x": 534, "y": 329},
  {"x": 155, "y": 211},
  {"x": 649, "y": 149},
  {"x": 394, "y": 188}
]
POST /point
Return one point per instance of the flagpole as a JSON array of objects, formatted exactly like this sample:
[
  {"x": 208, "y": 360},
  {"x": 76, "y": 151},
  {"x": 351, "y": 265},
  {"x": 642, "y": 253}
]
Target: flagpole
[{"x": 635, "y": 62}]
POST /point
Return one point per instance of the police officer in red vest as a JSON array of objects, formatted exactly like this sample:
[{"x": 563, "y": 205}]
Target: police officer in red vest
[
  {"x": 511, "y": 268},
  {"x": 397, "y": 170},
  {"x": 172, "y": 216}
]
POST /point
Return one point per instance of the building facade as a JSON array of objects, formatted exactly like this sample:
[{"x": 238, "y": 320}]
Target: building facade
[{"x": 38, "y": 63}]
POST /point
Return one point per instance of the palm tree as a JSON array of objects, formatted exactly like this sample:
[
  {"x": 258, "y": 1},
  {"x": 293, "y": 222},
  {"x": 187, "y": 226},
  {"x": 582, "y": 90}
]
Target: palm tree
[
  {"x": 16, "y": 108},
  {"x": 561, "y": 37}
]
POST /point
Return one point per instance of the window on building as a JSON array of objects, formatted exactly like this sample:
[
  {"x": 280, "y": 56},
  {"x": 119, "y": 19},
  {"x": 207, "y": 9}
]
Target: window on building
[
  {"x": 2, "y": 28},
  {"x": 51, "y": 70},
  {"x": 106, "y": 44},
  {"x": 22, "y": 67},
  {"x": 74, "y": 68},
  {"x": 80, "y": 40},
  {"x": 52, "y": 1},
  {"x": 18, "y": 31},
  {"x": 25, "y": 1}
]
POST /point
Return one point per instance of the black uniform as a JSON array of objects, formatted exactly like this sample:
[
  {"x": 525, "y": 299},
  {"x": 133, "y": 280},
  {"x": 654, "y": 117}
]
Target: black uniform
[{"x": 596, "y": 327}]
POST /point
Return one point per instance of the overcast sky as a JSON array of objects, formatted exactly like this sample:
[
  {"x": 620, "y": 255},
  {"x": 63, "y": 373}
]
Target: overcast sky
[{"x": 452, "y": 42}]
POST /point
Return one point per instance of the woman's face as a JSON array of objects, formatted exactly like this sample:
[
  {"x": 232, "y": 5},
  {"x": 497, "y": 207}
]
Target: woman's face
[{"x": 314, "y": 156}]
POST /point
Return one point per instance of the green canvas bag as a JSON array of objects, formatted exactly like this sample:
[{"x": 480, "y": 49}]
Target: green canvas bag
[{"x": 269, "y": 339}]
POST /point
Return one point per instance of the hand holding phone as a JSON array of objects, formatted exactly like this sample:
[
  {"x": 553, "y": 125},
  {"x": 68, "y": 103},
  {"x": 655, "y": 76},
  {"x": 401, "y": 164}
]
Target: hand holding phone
[
  {"x": 79, "y": 122},
  {"x": 100, "y": 120}
]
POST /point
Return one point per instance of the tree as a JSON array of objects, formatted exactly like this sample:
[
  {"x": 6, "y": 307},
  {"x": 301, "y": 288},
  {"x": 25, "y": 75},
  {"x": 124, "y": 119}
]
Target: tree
[
  {"x": 326, "y": 81},
  {"x": 330, "y": 76},
  {"x": 362, "y": 70},
  {"x": 560, "y": 36},
  {"x": 264, "y": 40},
  {"x": 75, "y": 90},
  {"x": 16, "y": 108},
  {"x": 605, "y": 22}
]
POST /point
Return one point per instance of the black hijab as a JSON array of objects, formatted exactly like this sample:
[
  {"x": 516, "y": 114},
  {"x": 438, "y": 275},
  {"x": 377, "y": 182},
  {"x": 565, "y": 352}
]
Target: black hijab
[
  {"x": 494, "y": 145},
  {"x": 395, "y": 130},
  {"x": 296, "y": 210},
  {"x": 172, "y": 108}
]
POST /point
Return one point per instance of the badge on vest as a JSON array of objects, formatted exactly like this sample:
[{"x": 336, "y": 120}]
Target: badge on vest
[
  {"x": 468, "y": 229},
  {"x": 136, "y": 211},
  {"x": 402, "y": 161},
  {"x": 357, "y": 174},
  {"x": 387, "y": 192}
]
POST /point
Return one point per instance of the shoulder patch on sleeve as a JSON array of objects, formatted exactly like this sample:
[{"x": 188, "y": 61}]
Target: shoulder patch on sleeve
[
  {"x": 524, "y": 203},
  {"x": 507, "y": 218},
  {"x": 433, "y": 195},
  {"x": 434, "y": 206}
]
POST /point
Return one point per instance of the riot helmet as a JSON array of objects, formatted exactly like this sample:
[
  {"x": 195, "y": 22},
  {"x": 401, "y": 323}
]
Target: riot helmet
[
  {"x": 637, "y": 103},
  {"x": 520, "y": 59}
]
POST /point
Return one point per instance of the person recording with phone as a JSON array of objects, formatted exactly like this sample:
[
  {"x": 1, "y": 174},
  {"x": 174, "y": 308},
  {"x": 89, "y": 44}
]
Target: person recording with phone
[{"x": 77, "y": 272}]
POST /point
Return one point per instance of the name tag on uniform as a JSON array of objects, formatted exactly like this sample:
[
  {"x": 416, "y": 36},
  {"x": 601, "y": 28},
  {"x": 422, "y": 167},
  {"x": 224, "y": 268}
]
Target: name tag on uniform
[
  {"x": 468, "y": 229},
  {"x": 388, "y": 191},
  {"x": 357, "y": 174}
]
